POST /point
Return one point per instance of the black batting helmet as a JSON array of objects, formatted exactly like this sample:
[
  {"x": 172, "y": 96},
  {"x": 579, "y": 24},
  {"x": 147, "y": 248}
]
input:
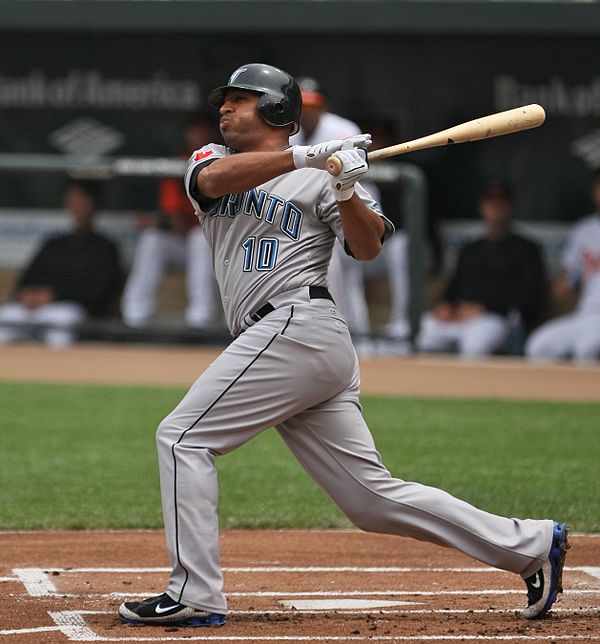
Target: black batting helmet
[{"x": 280, "y": 103}]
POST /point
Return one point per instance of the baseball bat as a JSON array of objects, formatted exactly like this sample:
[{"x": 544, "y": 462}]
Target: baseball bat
[{"x": 486, "y": 127}]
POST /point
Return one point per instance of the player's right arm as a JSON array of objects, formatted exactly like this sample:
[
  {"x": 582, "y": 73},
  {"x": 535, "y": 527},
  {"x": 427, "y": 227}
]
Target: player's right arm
[
  {"x": 213, "y": 172},
  {"x": 240, "y": 172}
]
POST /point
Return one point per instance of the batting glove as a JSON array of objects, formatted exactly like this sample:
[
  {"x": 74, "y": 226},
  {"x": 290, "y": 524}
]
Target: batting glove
[
  {"x": 354, "y": 166},
  {"x": 315, "y": 156}
]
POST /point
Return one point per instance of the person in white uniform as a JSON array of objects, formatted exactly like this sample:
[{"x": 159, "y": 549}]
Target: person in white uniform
[
  {"x": 271, "y": 214},
  {"x": 174, "y": 242},
  {"x": 346, "y": 276},
  {"x": 577, "y": 335}
]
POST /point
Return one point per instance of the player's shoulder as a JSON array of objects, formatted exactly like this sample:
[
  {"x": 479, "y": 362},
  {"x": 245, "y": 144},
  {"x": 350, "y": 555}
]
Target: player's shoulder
[
  {"x": 523, "y": 240},
  {"x": 586, "y": 225},
  {"x": 58, "y": 239},
  {"x": 208, "y": 152},
  {"x": 102, "y": 239},
  {"x": 524, "y": 247}
]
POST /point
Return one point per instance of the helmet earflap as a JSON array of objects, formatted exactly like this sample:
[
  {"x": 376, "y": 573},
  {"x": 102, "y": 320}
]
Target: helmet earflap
[{"x": 276, "y": 112}]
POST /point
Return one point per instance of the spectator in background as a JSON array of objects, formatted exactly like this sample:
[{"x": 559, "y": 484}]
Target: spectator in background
[
  {"x": 175, "y": 240},
  {"x": 576, "y": 335},
  {"x": 71, "y": 277},
  {"x": 346, "y": 276},
  {"x": 496, "y": 277},
  {"x": 393, "y": 259}
]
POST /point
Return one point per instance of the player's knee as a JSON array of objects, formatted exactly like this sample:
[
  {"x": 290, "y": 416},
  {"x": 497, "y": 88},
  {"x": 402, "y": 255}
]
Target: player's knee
[
  {"x": 429, "y": 337},
  {"x": 361, "y": 520},
  {"x": 14, "y": 312},
  {"x": 539, "y": 348},
  {"x": 151, "y": 242},
  {"x": 165, "y": 434},
  {"x": 481, "y": 345},
  {"x": 587, "y": 349},
  {"x": 476, "y": 350},
  {"x": 366, "y": 515}
]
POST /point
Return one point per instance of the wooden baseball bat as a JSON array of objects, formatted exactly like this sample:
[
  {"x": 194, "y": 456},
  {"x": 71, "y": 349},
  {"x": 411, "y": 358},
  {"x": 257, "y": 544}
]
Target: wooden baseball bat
[{"x": 486, "y": 127}]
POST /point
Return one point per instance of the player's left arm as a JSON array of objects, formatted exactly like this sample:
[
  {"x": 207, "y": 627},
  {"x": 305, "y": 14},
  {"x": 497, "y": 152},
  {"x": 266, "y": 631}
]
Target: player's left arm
[{"x": 363, "y": 228}]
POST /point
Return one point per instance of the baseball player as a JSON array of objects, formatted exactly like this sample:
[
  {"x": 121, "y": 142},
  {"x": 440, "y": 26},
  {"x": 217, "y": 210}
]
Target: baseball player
[
  {"x": 271, "y": 214},
  {"x": 576, "y": 335}
]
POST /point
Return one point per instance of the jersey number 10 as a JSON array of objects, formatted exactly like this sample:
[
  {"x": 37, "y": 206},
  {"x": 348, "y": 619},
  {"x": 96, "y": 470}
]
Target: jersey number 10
[{"x": 260, "y": 254}]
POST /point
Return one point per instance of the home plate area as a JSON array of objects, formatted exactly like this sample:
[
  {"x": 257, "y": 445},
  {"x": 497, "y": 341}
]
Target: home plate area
[{"x": 298, "y": 586}]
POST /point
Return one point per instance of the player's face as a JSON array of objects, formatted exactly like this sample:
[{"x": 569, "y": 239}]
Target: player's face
[
  {"x": 80, "y": 206},
  {"x": 241, "y": 125},
  {"x": 495, "y": 211},
  {"x": 310, "y": 117}
]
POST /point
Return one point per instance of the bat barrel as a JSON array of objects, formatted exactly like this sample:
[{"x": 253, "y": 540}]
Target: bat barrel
[{"x": 486, "y": 127}]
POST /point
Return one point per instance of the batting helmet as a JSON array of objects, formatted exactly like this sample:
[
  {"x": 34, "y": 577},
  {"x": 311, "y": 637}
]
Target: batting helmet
[{"x": 280, "y": 103}]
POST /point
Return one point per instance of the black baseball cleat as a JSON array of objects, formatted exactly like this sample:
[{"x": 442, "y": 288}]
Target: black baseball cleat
[
  {"x": 162, "y": 610},
  {"x": 545, "y": 584}
]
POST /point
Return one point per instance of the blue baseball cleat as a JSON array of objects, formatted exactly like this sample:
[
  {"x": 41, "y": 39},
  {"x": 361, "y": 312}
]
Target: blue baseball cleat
[
  {"x": 164, "y": 611},
  {"x": 544, "y": 585}
]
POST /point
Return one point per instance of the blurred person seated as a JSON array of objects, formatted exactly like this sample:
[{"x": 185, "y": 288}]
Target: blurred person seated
[
  {"x": 71, "y": 277},
  {"x": 392, "y": 263},
  {"x": 173, "y": 240},
  {"x": 346, "y": 276},
  {"x": 317, "y": 123},
  {"x": 497, "y": 278},
  {"x": 576, "y": 335}
]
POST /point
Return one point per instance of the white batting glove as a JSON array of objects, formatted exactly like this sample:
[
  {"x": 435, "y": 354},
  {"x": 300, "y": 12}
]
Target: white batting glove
[
  {"x": 315, "y": 156},
  {"x": 354, "y": 166}
]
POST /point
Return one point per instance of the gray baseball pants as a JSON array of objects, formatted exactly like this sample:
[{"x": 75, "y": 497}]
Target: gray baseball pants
[{"x": 296, "y": 369}]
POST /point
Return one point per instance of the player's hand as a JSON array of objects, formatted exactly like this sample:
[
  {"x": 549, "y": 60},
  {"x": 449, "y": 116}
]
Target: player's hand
[
  {"x": 354, "y": 166},
  {"x": 315, "y": 156},
  {"x": 362, "y": 141}
]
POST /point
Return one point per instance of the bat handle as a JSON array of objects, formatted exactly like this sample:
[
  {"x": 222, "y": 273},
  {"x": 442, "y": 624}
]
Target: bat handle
[{"x": 334, "y": 165}]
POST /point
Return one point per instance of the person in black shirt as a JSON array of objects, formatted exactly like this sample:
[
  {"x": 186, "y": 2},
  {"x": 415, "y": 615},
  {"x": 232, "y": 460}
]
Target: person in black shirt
[
  {"x": 497, "y": 277},
  {"x": 71, "y": 277}
]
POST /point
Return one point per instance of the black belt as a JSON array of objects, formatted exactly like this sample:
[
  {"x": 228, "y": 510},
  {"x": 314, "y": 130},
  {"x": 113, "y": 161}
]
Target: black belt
[{"x": 314, "y": 292}]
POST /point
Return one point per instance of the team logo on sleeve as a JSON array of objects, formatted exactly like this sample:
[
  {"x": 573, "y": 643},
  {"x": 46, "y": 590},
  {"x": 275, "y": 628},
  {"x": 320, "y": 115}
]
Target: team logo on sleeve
[
  {"x": 235, "y": 74},
  {"x": 202, "y": 155}
]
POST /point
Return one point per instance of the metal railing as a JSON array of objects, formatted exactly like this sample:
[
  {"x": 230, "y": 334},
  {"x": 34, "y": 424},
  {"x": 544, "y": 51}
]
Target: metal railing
[{"x": 413, "y": 195}]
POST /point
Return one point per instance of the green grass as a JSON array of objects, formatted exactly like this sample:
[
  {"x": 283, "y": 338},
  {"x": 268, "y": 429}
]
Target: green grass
[{"x": 84, "y": 457}]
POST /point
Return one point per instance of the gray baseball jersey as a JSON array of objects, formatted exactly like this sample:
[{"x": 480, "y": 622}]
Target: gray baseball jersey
[
  {"x": 295, "y": 369},
  {"x": 274, "y": 238}
]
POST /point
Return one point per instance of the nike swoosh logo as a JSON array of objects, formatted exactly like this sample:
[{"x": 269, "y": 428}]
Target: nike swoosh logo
[
  {"x": 538, "y": 582},
  {"x": 159, "y": 609}
]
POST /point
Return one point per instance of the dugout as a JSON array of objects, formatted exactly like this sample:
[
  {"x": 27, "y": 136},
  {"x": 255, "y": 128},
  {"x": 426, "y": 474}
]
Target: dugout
[{"x": 119, "y": 78}]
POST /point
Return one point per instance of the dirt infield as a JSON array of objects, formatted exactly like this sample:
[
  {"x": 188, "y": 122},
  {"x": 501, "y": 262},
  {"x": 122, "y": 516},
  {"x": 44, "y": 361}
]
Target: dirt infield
[
  {"x": 286, "y": 585},
  {"x": 321, "y": 586},
  {"x": 413, "y": 376}
]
